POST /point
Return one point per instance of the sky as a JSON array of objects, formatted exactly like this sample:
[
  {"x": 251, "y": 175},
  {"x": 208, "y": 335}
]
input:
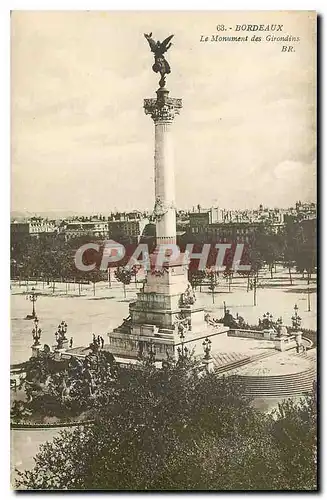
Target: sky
[{"x": 82, "y": 142}]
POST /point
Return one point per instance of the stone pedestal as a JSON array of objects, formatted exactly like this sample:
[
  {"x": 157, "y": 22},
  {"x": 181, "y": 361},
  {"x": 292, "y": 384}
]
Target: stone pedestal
[
  {"x": 58, "y": 351},
  {"x": 269, "y": 334},
  {"x": 298, "y": 338},
  {"x": 36, "y": 350},
  {"x": 155, "y": 315},
  {"x": 208, "y": 365},
  {"x": 284, "y": 343},
  {"x": 58, "y": 354}
]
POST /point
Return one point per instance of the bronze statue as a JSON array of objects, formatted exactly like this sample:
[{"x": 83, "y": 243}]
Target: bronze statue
[
  {"x": 188, "y": 297},
  {"x": 160, "y": 64}
]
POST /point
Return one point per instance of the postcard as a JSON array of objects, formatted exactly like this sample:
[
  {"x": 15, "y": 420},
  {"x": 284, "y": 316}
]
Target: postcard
[{"x": 163, "y": 250}]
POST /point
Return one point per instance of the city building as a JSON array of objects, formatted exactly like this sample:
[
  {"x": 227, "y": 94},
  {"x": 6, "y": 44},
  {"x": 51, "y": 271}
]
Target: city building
[
  {"x": 127, "y": 229},
  {"x": 92, "y": 228},
  {"x": 35, "y": 227},
  {"x": 241, "y": 232}
]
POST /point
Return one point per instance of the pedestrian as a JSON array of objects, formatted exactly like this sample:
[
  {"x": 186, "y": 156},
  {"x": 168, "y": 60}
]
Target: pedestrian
[
  {"x": 99, "y": 340},
  {"x": 94, "y": 339},
  {"x": 102, "y": 342},
  {"x": 71, "y": 342}
]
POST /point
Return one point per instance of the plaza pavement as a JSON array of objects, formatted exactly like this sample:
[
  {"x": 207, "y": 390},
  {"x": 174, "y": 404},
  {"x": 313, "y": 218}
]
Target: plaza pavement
[{"x": 87, "y": 314}]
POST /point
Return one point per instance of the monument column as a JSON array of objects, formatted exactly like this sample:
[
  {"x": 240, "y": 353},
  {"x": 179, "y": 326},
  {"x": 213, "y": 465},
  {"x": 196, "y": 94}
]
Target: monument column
[
  {"x": 165, "y": 307},
  {"x": 163, "y": 110}
]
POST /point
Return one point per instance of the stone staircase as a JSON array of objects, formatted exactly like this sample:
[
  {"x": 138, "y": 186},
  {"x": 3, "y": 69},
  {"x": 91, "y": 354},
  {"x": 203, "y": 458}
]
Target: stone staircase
[
  {"x": 311, "y": 355},
  {"x": 222, "y": 359},
  {"x": 281, "y": 386},
  {"x": 226, "y": 362}
]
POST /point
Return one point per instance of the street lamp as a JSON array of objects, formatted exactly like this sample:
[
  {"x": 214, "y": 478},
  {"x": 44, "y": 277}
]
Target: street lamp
[
  {"x": 253, "y": 285},
  {"x": 62, "y": 330},
  {"x": 59, "y": 341},
  {"x": 182, "y": 350},
  {"x": 151, "y": 351},
  {"x": 267, "y": 319},
  {"x": 33, "y": 298},
  {"x": 207, "y": 348},
  {"x": 296, "y": 320},
  {"x": 36, "y": 332},
  {"x": 279, "y": 322}
]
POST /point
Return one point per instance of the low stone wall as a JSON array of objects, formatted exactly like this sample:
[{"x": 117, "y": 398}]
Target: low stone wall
[
  {"x": 25, "y": 425},
  {"x": 309, "y": 344},
  {"x": 247, "y": 334},
  {"x": 285, "y": 343}
]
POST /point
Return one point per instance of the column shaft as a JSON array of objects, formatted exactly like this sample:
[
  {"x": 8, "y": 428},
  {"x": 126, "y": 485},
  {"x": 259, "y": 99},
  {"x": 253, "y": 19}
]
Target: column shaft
[
  {"x": 163, "y": 111},
  {"x": 165, "y": 181}
]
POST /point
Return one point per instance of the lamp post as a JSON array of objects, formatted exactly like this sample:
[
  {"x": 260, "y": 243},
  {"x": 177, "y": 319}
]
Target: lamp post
[
  {"x": 60, "y": 335},
  {"x": 36, "y": 332},
  {"x": 59, "y": 341},
  {"x": 253, "y": 284},
  {"x": 296, "y": 320},
  {"x": 182, "y": 353},
  {"x": 212, "y": 283},
  {"x": 109, "y": 277},
  {"x": 279, "y": 322},
  {"x": 62, "y": 330},
  {"x": 151, "y": 351},
  {"x": 182, "y": 350},
  {"x": 208, "y": 361},
  {"x": 33, "y": 298},
  {"x": 181, "y": 336},
  {"x": 267, "y": 320},
  {"x": 207, "y": 348}
]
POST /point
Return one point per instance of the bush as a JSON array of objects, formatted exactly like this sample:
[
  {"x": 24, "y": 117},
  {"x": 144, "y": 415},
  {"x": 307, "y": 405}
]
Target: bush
[{"x": 174, "y": 429}]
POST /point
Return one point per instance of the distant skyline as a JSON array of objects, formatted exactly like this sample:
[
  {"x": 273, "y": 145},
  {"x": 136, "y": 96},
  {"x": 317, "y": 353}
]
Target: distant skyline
[
  {"x": 82, "y": 143},
  {"x": 70, "y": 213}
]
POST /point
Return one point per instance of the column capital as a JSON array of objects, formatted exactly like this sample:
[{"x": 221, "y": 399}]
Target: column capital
[{"x": 163, "y": 108}]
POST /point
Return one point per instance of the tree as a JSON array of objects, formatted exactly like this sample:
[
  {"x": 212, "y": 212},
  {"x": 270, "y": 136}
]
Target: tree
[
  {"x": 50, "y": 259},
  {"x": 212, "y": 275},
  {"x": 289, "y": 247},
  {"x": 300, "y": 242},
  {"x": 306, "y": 252},
  {"x": 253, "y": 285},
  {"x": 255, "y": 260},
  {"x": 268, "y": 244},
  {"x": 19, "y": 411},
  {"x": 299, "y": 455},
  {"x": 228, "y": 274},
  {"x": 124, "y": 275},
  {"x": 288, "y": 260},
  {"x": 94, "y": 277},
  {"x": 134, "y": 270},
  {"x": 174, "y": 429},
  {"x": 196, "y": 277}
]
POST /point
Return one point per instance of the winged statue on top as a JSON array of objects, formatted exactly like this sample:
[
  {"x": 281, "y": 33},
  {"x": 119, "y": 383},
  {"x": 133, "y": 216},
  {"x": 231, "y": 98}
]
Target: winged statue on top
[{"x": 160, "y": 64}]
